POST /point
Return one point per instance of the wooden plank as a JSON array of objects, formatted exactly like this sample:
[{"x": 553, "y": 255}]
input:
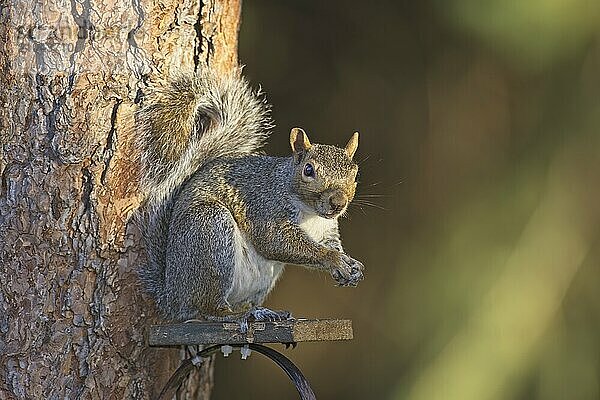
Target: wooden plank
[{"x": 297, "y": 330}]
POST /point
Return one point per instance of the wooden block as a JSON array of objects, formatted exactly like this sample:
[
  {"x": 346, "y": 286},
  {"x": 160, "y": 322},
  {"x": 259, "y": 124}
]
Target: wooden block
[{"x": 298, "y": 330}]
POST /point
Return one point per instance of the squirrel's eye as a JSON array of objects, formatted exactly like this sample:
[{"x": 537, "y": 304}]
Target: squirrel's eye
[{"x": 309, "y": 170}]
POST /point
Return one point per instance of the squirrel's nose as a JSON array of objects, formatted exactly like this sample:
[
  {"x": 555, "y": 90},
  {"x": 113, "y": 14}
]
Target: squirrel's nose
[{"x": 338, "y": 201}]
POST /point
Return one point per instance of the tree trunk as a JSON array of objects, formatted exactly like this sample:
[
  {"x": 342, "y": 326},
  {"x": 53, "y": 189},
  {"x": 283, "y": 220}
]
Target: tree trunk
[{"x": 72, "y": 314}]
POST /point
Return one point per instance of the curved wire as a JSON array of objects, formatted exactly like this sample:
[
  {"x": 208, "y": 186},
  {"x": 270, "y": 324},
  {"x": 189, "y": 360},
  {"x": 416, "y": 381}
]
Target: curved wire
[{"x": 292, "y": 371}]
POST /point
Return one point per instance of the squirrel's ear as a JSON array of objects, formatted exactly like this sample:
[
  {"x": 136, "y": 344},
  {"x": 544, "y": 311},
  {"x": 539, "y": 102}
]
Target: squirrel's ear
[
  {"x": 352, "y": 145},
  {"x": 299, "y": 140}
]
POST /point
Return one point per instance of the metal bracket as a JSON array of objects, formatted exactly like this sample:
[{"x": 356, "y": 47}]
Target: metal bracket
[{"x": 252, "y": 327}]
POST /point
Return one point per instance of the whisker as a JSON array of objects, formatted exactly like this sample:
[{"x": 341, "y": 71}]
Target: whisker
[
  {"x": 366, "y": 201},
  {"x": 368, "y": 204},
  {"x": 357, "y": 206},
  {"x": 362, "y": 185},
  {"x": 363, "y": 159}
]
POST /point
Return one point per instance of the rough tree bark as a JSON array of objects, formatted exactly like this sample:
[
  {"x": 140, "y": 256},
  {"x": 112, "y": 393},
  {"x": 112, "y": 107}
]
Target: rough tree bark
[{"x": 72, "y": 314}]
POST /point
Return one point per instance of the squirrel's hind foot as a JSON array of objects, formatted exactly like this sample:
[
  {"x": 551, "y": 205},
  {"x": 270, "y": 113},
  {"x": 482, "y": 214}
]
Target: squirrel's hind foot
[{"x": 264, "y": 314}]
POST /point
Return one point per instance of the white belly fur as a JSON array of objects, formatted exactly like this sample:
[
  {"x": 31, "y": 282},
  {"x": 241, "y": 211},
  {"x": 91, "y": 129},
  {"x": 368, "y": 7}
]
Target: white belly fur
[{"x": 254, "y": 276}]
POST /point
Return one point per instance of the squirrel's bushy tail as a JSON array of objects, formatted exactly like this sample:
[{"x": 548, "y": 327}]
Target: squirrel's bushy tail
[
  {"x": 190, "y": 120},
  {"x": 184, "y": 123}
]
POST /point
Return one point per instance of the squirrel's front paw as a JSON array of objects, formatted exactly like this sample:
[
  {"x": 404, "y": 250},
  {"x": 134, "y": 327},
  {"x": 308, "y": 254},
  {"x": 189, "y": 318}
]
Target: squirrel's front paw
[{"x": 349, "y": 273}]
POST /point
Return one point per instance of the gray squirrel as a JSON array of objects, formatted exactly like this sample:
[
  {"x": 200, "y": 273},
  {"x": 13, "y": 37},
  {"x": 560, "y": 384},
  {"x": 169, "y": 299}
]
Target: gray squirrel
[{"x": 219, "y": 219}]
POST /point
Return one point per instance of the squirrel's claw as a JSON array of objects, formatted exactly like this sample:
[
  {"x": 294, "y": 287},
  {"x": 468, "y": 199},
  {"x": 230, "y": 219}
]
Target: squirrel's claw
[{"x": 350, "y": 273}]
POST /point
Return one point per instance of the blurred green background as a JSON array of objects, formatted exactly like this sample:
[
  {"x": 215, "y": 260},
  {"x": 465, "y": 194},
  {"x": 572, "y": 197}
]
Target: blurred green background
[{"x": 480, "y": 133}]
